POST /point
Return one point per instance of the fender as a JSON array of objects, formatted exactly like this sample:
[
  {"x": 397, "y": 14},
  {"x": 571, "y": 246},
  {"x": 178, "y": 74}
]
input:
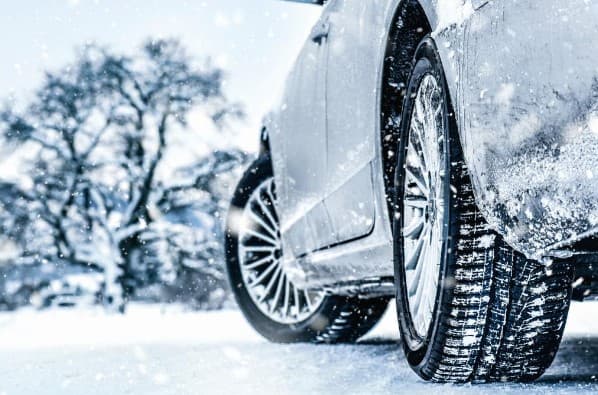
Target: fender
[
  {"x": 524, "y": 88},
  {"x": 524, "y": 84}
]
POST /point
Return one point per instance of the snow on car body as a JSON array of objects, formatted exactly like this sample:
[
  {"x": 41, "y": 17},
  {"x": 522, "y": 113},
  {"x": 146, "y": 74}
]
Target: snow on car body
[{"x": 527, "y": 115}]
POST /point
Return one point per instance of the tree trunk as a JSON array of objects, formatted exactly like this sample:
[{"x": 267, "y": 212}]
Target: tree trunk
[{"x": 129, "y": 248}]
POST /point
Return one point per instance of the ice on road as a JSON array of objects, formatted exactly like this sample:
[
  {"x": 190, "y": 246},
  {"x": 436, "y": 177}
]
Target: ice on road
[{"x": 151, "y": 350}]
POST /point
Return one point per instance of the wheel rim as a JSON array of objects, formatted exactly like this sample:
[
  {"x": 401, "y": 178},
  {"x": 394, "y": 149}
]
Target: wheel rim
[
  {"x": 260, "y": 259},
  {"x": 424, "y": 214}
]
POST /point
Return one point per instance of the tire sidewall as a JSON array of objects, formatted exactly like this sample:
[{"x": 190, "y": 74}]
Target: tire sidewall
[{"x": 417, "y": 349}]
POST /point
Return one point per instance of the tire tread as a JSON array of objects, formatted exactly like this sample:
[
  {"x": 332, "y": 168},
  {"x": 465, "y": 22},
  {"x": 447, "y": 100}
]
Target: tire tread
[{"x": 507, "y": 315}]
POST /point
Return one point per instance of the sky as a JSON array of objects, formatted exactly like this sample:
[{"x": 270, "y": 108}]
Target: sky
[{"x": 256, "y": 41}]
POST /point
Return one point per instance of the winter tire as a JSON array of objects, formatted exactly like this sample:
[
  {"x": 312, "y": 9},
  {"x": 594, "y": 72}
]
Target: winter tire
[
  {"x": 273, "y": 305},
  {"x": 470, "y": 307}
]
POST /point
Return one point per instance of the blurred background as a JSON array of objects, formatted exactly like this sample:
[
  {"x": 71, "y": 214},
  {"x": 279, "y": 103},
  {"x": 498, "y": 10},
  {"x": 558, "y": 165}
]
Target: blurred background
[{"x": 124, "y": 126}]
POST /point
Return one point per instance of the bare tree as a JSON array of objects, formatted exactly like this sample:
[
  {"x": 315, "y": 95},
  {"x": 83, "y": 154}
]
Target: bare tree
[{"x": 101, "y": 128}]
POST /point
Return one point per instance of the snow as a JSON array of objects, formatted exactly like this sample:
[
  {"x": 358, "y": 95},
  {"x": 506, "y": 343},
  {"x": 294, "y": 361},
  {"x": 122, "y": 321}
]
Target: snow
[
  {"x": 166, "y": 350},
  {"x": 452, "y": 12},
  {"x": 527, "y": 114}
]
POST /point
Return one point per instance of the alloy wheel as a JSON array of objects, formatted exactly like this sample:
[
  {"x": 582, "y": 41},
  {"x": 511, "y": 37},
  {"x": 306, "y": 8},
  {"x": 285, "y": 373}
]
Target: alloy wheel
[
  {"x": 424, "y": 214},
  {"x": 260, "y": 258}
]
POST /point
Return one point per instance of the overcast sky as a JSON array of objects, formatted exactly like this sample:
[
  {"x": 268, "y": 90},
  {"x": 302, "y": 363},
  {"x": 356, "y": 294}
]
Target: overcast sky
[{"x": 255, "y": 40}]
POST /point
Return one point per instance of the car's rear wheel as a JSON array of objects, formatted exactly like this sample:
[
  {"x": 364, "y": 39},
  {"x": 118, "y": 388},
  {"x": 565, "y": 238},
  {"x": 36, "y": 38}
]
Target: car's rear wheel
[
  {"x": 470, "y": 307},
  {"x": 277, "y": 308}
]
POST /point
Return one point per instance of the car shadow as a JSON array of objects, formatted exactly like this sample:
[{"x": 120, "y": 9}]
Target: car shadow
[
  {"x": 379, "y": 341},
  {"x": 576, "y": 363}
]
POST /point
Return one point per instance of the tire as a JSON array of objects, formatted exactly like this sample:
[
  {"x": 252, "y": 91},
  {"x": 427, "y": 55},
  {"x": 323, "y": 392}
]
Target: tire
[
  {"x": 496, "y": 315},
  {"x": 336, "y": 319}
]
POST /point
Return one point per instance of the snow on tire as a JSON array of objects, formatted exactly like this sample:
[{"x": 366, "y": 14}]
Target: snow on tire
[{"x": 494, "y": 315}]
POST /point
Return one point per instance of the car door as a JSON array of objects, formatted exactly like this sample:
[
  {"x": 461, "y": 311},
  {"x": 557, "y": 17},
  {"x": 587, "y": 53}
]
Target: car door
[
  {"x": 351, "y": 115},
  {"x": 299, "y": 154}
]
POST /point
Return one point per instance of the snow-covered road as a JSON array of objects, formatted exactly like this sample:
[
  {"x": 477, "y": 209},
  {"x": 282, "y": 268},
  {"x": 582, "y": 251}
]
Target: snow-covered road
[{"x": 154, "y": 351}]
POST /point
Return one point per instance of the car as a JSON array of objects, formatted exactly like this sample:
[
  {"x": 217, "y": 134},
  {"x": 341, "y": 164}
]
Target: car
[{"x": 439, "y": 152}]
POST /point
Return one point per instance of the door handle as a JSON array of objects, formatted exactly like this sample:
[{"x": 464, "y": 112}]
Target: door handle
[{"x": 320, "y": 32}]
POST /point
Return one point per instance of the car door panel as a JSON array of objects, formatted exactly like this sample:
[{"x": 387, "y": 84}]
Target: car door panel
[
  {"x": 300, "y": 169},
  {"x": 352, "y": 209},
  {"x": 351, "y": 116}
]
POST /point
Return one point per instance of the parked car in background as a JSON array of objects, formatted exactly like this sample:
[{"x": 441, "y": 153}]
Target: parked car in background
[{"x": 439, "y": 152}]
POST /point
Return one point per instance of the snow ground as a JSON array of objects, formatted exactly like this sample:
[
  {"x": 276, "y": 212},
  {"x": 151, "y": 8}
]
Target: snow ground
[{"x": 155, "y": 350}]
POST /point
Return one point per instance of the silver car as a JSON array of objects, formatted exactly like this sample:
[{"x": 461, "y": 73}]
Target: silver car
[{"x": 440, "y": 152}]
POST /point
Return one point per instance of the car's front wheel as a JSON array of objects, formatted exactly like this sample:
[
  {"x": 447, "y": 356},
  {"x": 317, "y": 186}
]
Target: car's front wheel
[
  {"x": 276, "y": 307},
  {"x": 470, "y": 307}
]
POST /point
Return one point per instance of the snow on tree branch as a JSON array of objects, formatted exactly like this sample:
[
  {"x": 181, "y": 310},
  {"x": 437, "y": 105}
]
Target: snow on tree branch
[{"x": 101, "y": 130}]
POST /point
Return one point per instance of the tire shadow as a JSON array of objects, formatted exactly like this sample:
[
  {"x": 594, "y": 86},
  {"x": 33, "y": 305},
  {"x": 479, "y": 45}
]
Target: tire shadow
[
  {"x": 575, "y": 365},
  {"x": 575, "y": 362},
  {"x": 379, "y": 341}
]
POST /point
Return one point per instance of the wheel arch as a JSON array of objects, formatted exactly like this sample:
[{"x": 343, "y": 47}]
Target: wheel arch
[{"x": 411, "y": 22}]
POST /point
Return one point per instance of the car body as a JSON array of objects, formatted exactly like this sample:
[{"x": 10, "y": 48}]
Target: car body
[
  {"x": 522, "y": 78},
  {"x": 438, "y": 152}
]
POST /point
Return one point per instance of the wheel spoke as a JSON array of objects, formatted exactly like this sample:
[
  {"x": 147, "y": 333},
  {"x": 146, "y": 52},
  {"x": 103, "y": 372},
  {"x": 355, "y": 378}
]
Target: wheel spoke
[
  {"x": 431, "y": 280},
  {"x": 260, "y": 253},
  {"x": 414, "y": 228},
  {"x": 271, "y": 283},
  {"x": 285, "y": 304},
  {"x": 279, "y": 287},
  {"x": 423, "y": 136},
  {"x": 438, "y": 109},
  {"x": 258, "y": 263},
  {"x": 417, "y": 148},
  {"x": 416, "y": 201},
  {"x": 263, "y": 275},
  {"x": 262, "y": 236},
  {"x": 296, "y": 298},
  {"x": 262, "y": 223},
  {"x": 258, "y": 248},
  {"x": 419, "y": 292},
  {"x": 272, "y": 204},
  {"x": 418, "y": 141},
  {"x": 307, "y": 299},
  {"x": 411, "y": 263},
  {"x": 419, "y": 181},
  {"x": 417, "y": 272},
  {"x": 266, "y": 211}
]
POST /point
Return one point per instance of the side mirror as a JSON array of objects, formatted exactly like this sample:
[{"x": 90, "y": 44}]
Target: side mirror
[{"x": 318, "y": 2}]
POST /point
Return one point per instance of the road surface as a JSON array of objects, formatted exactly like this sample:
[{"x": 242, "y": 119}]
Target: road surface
[{"x": 154, "y": 350}]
